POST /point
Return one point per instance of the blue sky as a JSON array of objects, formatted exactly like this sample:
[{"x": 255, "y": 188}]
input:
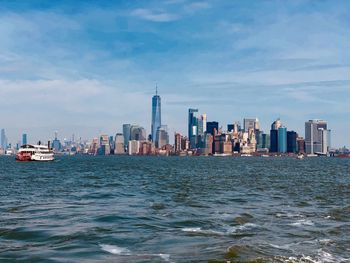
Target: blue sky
[{"x": 88, "y": 67}]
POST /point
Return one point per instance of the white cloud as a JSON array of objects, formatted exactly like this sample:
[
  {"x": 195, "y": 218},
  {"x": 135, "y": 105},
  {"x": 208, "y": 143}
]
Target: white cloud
[{"x": 154, "y": 16}]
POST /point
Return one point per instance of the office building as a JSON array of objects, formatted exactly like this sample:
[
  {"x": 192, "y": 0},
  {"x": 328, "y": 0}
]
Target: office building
[
  {"x": 134, "y": 147},
  {"x": 251, "y": 124},
  {"x": 211, "y": 126},
  {"x": 292, "y": 141},
  {"x": 314, "y": 137},
  {"x": 230, "y": 127},
  {"x": 274, "y": 135},
  {"x": 119, "y": 144},
  {"x": 104, "y": 148},
  {"x": 193, "y": 127},
  {"x": 282, "y": 139},
  {"x": 56, "y": 144},
  {"x": 24, "y": 139},
  {"x": 156, "y": 115},
  {"x": 126, "y": 133},
  {"x": 3, "y": 141},
  {"x": 265, "y": 141},
  {"x": 208, "y": 144},
  {"x": 162, "y": 137},
  {"x": 178, "y": 147},
  {"x": 137, "y": 133},
  {"x": 300, "y": 145}
]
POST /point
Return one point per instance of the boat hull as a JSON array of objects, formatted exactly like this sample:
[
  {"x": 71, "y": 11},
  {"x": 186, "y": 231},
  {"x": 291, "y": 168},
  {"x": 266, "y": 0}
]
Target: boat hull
[{"x": 21, "y": 157}]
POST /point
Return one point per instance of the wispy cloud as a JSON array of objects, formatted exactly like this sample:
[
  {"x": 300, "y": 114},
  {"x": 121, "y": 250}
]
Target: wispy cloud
[
  {"x": 154, "y": 16},
  {"x": 196, "y": 6}
]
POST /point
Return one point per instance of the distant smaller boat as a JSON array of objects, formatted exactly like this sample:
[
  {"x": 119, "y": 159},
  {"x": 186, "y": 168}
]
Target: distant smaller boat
[
  {"x": 9, "y": 152},
  {"x": 265, "y": 155},
  {"x": 30, "y": 152},
  {"x": 300, "y": 156}
]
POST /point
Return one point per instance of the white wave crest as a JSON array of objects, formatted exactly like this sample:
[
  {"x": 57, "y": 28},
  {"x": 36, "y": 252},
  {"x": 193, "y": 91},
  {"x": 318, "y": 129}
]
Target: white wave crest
[
  {"x": 201, "y": 231},
  {"x": 115, "y": 249},
  {"x": 165, "y": 257},
  {"x": 303, "y": 222}
]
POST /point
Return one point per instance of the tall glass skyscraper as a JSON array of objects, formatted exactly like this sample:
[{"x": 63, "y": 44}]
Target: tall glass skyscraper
[
  {"x": 193, "y": 127},
  {"x": 24, "y": 138},
  {"x": 282, "y": 139},
  {"x": 126, "y": 133},
  {"x": 156, "y": 115}
]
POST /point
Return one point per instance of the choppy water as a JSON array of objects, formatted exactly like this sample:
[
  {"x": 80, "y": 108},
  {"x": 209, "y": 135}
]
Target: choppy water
[{"x": 150, "y": 209}]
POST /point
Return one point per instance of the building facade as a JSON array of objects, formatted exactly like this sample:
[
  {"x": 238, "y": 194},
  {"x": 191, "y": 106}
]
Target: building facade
[
  {"x": 282, "y": 139},
  {"x": 316, "y": 138}
]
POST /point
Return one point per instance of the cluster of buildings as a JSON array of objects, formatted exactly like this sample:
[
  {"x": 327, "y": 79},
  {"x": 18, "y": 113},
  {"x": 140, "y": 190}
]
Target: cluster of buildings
[
  {"x": 134, "y": 139},
  {"x": 204, "y": 138},
  {"x": 207, "y": 138}
]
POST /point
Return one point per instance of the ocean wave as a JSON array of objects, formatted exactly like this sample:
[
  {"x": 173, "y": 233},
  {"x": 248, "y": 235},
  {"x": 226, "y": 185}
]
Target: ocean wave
[
  {"x": 228, "y": 230},
  {"x": 303, "y": 222},
  {"x": 115, "y": 249},
  {"x": 288, "y": 215},
  {"x": 321, "y": 257},
  {"x": 201, "y": 231}
]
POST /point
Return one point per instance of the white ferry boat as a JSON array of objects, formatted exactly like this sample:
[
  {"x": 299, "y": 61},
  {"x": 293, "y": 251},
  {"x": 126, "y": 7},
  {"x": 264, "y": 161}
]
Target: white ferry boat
[{"x": 29, "y": 152}]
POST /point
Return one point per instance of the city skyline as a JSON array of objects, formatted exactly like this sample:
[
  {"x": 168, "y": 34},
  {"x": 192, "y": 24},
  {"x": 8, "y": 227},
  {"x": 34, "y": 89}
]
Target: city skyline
[{"x": 93, "y": 68}]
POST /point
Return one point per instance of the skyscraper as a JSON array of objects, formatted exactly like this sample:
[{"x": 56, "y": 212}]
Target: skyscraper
[
  {"x": 137, "y": 133},
  {"x": 292, "y": 141},
  {"x": 24, "y": 139},
  {"x": 156, "y": 115},
  {"x": 251, "y": 124},
  {"x": 177, "y": 142},
  {"x": 3, "y": 138},
  {"x": 274, "y": 135},
  {"x": 126, "y": 133},
  {"x": 162, "y": 137},
  {"x": 211, "y": 126},
  {"x": 282, "y": 139},
  {"x": 119, "y": 144},
  {"x": 315, "y": 131},
  {"x": 193, "y": 127}
]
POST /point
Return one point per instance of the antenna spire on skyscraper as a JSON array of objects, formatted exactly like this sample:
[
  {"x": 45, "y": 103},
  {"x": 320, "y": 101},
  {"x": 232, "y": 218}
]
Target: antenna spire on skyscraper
[{"x": 156, "y": 89}]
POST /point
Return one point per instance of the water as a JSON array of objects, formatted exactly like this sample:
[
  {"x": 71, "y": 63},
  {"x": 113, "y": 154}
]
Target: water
[{"x": 176, "y": 209}]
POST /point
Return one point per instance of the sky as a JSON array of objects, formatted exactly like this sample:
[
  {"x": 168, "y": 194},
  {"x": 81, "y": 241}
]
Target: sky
[{"x": 87, "y": 67}]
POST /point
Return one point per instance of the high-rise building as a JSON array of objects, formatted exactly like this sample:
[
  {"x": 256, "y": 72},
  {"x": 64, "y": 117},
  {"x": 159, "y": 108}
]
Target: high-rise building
[
  {"x": 211, "y": 126},
  {"x": 137, "y": 133},
  {"x": 3, "y": 138},
  {"x": 325, "y": 136},
  {"x": 301, "y": 145},
  {"x": 156, "y": 115},
  {"x": 274, "y": 135},
  {"x": 208, "y": 144},
  {"x": 265, "y": 141},
  {"x": 193, "y": 127},
  {"x": 292, "y": 141},
  {"x": 230, "y": 127},
  {"x": 313, "y": 136},
  {"x": 56, "y": 144},
  {"x": 251, "y": 124},
  {"x": 104, "y": 148},
  {"x": 178, "y": 147},
  {"x": 162, "y": 137},
  {"x": 119, "y": 144},
  {"x": 24, "y": 139},
  {"x": 134, "y": 147},
  {"x": 282, "y": 139},
  {"x": 126, "y": 133}
]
